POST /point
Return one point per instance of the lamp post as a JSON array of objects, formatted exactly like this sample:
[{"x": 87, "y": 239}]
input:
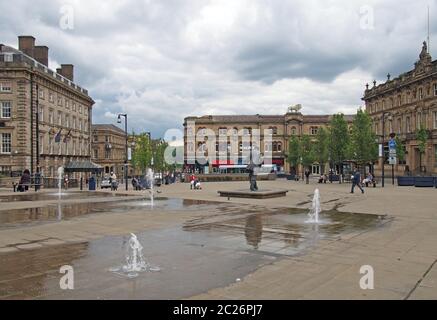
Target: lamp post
[{"x": 125, "y": 130}]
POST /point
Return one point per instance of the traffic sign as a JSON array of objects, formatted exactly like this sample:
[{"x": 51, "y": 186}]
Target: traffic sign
[
  {"x": 392, "y": 160},
  {"x": 392, "y": 144}
]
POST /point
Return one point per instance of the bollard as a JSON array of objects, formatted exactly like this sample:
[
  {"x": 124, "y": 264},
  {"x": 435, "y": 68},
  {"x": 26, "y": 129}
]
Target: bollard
[{"x": 81, "y": 183}]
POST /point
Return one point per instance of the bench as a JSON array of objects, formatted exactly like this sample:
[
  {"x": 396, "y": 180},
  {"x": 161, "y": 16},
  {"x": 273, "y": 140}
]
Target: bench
[{"x": 374, "y": 183}]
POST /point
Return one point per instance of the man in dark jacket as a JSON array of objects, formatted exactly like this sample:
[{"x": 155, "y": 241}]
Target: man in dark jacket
[{"x": 356, "y": 181}]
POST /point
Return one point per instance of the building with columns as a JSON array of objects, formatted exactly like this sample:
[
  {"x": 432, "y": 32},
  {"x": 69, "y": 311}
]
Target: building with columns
[
  {"x": 401, "y": 106},
  {"x": 45, "y": 117},
  {"x": 281, "y": 127}
]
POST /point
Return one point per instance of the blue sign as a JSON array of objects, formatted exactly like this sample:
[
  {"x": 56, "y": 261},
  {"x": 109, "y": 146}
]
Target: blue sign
[{"x": 392, "y": 144}]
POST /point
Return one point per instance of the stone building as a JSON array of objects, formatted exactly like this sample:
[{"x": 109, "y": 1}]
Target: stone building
[
  {"x": 45, "y": 118},
  {"x": 405, "y": 104},
  {"x": 109, "y": 148},
  {"x": 282, "y": 127}
]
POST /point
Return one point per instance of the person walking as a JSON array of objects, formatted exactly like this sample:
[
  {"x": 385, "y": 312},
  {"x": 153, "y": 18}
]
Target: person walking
[
  {"x": 356, "y": 181},
  {"x": 307, "y": 176}
]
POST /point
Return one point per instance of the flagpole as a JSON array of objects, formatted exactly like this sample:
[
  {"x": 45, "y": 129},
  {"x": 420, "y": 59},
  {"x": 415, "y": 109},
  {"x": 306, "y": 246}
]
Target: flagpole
[{"x": 428, "y": 30}]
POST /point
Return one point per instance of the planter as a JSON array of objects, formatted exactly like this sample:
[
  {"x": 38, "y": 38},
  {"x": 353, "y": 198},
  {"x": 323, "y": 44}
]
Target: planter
[
  {"x": 291, "y": 176},
  {"x": 406, "y": 181},
  {"x": 424, "y": 182}
]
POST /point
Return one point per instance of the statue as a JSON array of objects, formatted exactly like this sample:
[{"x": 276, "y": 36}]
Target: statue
[
  {"x": 255, "y": 162},
  {"x": 294, "y": 109},
  {"x": 424, "y": 51}
]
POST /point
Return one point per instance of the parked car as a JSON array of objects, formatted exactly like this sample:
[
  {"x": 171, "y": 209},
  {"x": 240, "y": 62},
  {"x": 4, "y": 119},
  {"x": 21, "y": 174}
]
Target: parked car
[
  {"x": 158, "y": 179},
  {"x": 105, "y": 183}
]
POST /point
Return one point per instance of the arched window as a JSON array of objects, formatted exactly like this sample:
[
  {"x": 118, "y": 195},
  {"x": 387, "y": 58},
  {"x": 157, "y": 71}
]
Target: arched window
[{"x": 293, "y": 130}]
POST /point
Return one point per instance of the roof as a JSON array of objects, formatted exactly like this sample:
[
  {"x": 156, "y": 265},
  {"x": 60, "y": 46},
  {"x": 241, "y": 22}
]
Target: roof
[
  {"x": 82, "y": 166},
  {"x": 109, "y": 127},
  {"x": 263, "y": 118}
]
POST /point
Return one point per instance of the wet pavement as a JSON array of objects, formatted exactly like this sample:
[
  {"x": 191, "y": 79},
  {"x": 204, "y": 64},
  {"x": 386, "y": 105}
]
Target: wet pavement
[
  {"x": 223, "y": 243},
  {"x": 13, "y": 218},
  {"x": 66, "y": 195}
]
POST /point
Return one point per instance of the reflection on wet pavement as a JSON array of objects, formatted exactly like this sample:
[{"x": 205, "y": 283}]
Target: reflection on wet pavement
[
  {"x": 67, "y": 195},
  {"x": 224, "y": 241},
  {"x": 12, "y": 218}
]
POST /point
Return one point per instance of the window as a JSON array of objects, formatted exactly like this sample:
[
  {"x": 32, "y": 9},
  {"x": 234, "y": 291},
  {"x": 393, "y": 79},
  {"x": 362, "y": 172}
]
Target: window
[
  {"x": 408, "y": 124},
  {"x": 59, "y": 118},
  {"x": 41, "y": 144},
  {"x": 5, "y": 109},
  {"x": 107, "y": 153},
  {"x": 80, "y": 125},
  {"x": 223, "y": 131},
  {"x": 399, "y": 125},
  {"x": 51, "y": 118},
  {"x": 80, "y": 109},
  {"x": 41, "y": 93},
  {"x": 435, "y": 89},
  {"x": 293, "y": 130},
  {"x": 5, "y": 87},
  {"x": 59, "y": 101},
  {"x": 50, "y": 145},
  {"x": 376, "y": 129},
  {"x": 273, "y": 130},
  {"x": 6, "y": 143},
  {"x": 420, "y": 93},
  {"x": 435, "y": 119},
  {"x": 41, "y": 114},
  {"x": 314, "y": 130},
  {"x": 96, "y": 138},
  {"x": 9, "y": 57},
  {"x": 74, "y": 123},
  {"x": 74, "y": 106},
  {"x": 106, "y": 138},
  {"x": 51, "y": 97},
  {"x": 399, "y": 101},
  {"x": 419, "y": 120},
  {"x": 67, "y": 104},
  {"x": 435, "y": 155},
  {"x": 96, "y": 153},
  {"x": 67, "y": 121}
]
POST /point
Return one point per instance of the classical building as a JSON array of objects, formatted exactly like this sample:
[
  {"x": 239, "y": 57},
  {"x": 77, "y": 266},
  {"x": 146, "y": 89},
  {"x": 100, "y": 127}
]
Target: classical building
[
  {"x": 109, "y": 148},
  {"x": 401, "y": 106},
  {"x": 281, "y": 127},
  {"x": 45, "y": 118}
]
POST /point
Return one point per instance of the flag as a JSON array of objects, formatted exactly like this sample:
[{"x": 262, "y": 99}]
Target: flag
[
  {"x": 58, "y": 136},
  {"x": 67, "y": 137}
]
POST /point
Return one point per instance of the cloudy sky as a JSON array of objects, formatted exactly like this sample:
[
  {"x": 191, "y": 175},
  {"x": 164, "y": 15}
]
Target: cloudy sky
[{"x": 163, "y": 60}]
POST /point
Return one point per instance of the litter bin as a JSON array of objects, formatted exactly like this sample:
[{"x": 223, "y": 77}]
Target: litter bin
[{"x": 92, "y": 184}]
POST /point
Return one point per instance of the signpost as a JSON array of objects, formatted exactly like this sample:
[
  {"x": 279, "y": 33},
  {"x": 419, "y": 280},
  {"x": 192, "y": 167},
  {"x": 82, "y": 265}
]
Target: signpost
[{"x": 392, "y": 156}]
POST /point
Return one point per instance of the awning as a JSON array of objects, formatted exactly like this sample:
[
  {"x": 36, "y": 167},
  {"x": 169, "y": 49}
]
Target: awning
[
  {"x": 216, "y": 163},
  {"x": 82, "y": 166}
]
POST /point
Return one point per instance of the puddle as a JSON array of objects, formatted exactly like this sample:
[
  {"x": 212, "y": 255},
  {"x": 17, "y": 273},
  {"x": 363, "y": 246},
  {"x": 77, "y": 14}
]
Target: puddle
[
  {"x": 66, "y": 195},
  {"x": 12, "y": 218}
]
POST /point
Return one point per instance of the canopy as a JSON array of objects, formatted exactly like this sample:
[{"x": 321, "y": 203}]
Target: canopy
[{"x": 82, "y": 166}]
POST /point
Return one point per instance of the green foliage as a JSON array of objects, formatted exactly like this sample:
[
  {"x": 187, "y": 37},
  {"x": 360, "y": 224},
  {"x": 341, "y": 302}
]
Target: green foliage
[
  {"x": 142, "y": 152},
  {"x": 400, "y": 149},
  {"x": 294, "y": 152},
  {"x": 363, "y": 147},
  {"x": 307, "y": 151},
  {"x": 338, "y": 139},
  {"x": 321, "y": 147},
  {"x": 421, "y": 137}
]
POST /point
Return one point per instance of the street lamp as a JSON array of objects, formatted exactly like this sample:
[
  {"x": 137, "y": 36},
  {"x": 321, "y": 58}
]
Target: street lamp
[{"x": 125, "y": 130}]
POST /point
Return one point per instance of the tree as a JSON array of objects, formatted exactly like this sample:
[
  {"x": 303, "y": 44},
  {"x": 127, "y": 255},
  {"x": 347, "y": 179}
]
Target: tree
[
  {"x": 421, "y": 137},
  {"x": 338, "y": 139},
  {"x": 307, "y": 151},
  {"x": 363, "y": 146},
  {"x": 294, "y": 152},
  {"x": 142, "y": 152},
  {"x": 321, "y": 148},
  {"x": 159, "y": 163},
  {"x": 400, "y": 149}
]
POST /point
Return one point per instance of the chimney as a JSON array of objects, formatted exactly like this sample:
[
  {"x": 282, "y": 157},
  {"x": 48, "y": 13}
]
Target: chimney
[
  {"x": 67, "y": 71},
  {"x": 26, "y": 44},
  {"x": 41, "y": 54},
  {"x": 59, "y": 71}
]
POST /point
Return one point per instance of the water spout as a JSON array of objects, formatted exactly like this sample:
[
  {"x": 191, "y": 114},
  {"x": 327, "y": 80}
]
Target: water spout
[
  {"x": 315, "y": 208},
  {"x": 150, "y": 180},
  {"x": 135, "y": 261},
  {"x": 60, "y": 178}
]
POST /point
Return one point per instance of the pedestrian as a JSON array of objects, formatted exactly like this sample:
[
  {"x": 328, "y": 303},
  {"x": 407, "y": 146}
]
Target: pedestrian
[
  {"x": 307, "y": 176},
  {"x": 192, "y": 181},
  {"x": 113, "y": 180},
  {"x": 356, "y": 181}
]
